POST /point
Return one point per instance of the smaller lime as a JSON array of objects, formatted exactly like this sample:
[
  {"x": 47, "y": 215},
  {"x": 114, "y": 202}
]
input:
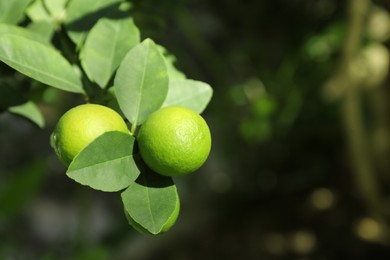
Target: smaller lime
[{"x": 80, "y": 125}]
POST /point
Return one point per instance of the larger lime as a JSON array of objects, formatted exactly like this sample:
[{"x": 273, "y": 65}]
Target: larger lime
[{"x": 174, "y": 141}]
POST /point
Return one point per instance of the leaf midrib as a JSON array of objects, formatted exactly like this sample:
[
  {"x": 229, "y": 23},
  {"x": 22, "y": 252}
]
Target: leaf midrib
[
  {"x": 8, "y": 59},
  {"x": 100, "y": 163},
  {"x": 138, "y": 107},
  {"x": 149, "y": 204}
]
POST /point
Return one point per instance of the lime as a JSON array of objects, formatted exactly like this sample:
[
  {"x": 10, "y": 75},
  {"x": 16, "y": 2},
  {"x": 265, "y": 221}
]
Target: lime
[
  {"x": 174, "y": 141},
  {"x": 80, "y": 125}
]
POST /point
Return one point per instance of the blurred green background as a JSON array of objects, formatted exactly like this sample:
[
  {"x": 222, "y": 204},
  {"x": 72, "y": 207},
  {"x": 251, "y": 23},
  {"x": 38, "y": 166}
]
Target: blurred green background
[{"x": 300, "y": 164}]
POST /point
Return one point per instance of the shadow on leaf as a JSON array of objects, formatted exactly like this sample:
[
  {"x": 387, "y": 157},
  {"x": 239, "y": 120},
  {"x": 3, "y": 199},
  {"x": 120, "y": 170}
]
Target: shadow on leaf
[
  {"x": 86, "y": 22},
  {"x": 148, "y": 177}
]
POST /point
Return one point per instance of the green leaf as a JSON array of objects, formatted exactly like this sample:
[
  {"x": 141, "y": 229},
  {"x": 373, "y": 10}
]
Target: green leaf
[
  {"x": 45, "y": 30},
  {"x": 106, "y": 164},
  {"x": 141, "y": 82},
  {"x": 112, "y": 101},
  {"x": 21, "y": 31},
  {"x": 151, "y": 201},
  {"x": 170, "y": 60},
  {"x": 106, "y": 46},
  {"x": 191, "y": 94},
  {"x": 12, "y": 12},
  {"x": 37, "y": 12},
  {"x": 56, "y": 8},
  {"x": 30, "y": 111},
  {"x": 39, "y": 62},
  {"x": 83, "y": 14},
  {"x": 52, "y": 11}
]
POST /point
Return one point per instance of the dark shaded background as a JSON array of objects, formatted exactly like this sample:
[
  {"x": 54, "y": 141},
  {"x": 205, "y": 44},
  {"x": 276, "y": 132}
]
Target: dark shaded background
[{"x": 280, "y": 182}]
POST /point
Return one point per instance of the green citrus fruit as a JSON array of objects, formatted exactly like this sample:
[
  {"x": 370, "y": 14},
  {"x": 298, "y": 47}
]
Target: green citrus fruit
[
  {"x": 171, "y": 221},
  {"x": 174, "y": 141},
  {"x": 79, "y": 126}
]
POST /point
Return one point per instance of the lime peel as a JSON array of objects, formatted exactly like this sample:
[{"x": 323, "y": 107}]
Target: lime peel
[{"x": 174, "y": 141}]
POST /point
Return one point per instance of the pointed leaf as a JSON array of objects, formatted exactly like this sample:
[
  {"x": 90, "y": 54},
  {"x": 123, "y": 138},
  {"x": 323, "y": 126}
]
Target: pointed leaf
[
  {"x": 56, "y": 8},
  {"x": 39, "y": 62},
  {"x": 106, "y": 46},
  {"x": 30, "y": 111},
  {"x": 83, "y": 14},
  {"x": 141, "y": 82},
  {"x": 106, "y": 164},
  {"x": 12, "y": 12},
  {"x": 151, "y": 201},
  {"x": 191, "y": 94},
  {"x": 37, "y": 12},
  {"x": 170, "y": 60},
  {"x": 52, "y": 11}
]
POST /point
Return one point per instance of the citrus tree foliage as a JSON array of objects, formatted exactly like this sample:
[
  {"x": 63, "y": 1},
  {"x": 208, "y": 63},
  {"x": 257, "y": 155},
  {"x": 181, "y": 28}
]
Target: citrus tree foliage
[{"x": 93, "y": 48}]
